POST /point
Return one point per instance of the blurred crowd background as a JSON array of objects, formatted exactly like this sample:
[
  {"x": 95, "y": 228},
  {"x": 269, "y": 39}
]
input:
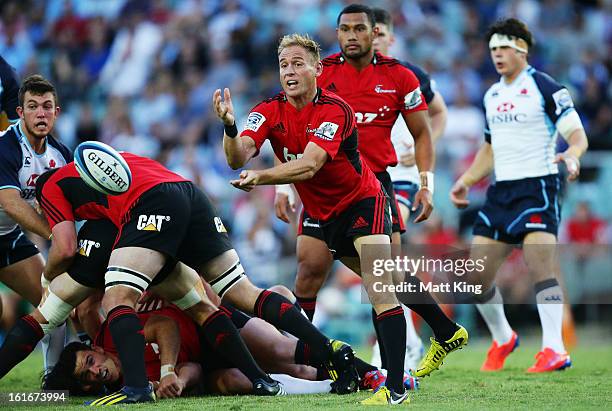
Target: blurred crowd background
[{"x": 140, "y": 74}]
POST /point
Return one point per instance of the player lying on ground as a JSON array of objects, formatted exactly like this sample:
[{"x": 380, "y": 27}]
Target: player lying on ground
[
  {"x": 313, "y": 132},
  {"x": 525, "y": 113}
]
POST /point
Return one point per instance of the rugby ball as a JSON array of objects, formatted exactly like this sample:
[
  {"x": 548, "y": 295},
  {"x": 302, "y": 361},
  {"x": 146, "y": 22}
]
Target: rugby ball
[{"x": 102, "y": 168}]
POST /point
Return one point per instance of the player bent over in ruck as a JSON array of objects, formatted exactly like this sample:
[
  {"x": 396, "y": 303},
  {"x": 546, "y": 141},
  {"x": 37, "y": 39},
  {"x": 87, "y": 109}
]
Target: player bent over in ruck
[
  {"x": 190, "y": 231},
  {"x": 313, "y": 132}
]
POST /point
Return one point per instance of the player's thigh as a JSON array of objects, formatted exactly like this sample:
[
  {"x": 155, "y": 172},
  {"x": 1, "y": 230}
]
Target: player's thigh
[
  {"x": 491, "y": 254},
  {"x": 372, "y": 250},
  {"x": 70, "y": 291},
  {"x": 23, "y": 277},
  {"x": 130, "y": 272},
  {"x": 269, "y": 347},
  {"x": 227, "y": 278},
  {"x": 313, "y": 257},
  {"x": 540, "y": 253}
]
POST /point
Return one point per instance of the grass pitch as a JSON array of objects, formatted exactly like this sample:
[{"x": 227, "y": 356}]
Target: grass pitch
[{"x": 457, "y": 386}]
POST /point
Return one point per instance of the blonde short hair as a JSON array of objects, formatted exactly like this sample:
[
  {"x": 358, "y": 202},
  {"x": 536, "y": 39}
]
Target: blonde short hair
[{"x": 304, "y": 41}]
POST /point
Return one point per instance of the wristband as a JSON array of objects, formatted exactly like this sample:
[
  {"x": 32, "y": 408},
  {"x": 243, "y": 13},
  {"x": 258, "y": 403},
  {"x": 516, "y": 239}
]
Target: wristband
[
  {"x": 231, "y": 131},
  {"x": 166, "y": 370},
  {"x": 287, "y": 190},
  {"x": 427, "y": 180}
]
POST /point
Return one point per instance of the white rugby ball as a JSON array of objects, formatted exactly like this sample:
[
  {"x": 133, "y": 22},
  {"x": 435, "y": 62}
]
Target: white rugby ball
[{"x": 102, "y": 168}]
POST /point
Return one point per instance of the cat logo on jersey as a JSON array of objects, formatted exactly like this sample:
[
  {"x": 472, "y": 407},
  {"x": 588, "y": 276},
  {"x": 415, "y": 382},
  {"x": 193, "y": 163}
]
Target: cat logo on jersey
[
  {"x": 219, "y": 225},
  {"x": 151, "y": 222},
  {"x": 85, "y": 247}
]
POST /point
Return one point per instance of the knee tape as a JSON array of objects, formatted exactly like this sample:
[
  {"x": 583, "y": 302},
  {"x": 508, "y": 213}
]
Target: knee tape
[
  {"x": 188, "y": 300},
  {"x": 126, "y": 277},
  {"x": 228, "y": 279},
  {"x": 55, "y": 310}
]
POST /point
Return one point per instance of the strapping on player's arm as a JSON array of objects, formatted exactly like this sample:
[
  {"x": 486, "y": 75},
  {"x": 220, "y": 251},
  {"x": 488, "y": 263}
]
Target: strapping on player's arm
[{"x": 570, "y": 127}]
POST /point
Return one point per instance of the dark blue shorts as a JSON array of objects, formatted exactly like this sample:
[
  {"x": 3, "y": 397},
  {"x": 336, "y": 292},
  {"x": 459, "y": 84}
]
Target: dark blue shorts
[
  {"x": 405, "y": 192},
  {"x": 14, "y": 247},
  {"x": 515, "y": 208}
]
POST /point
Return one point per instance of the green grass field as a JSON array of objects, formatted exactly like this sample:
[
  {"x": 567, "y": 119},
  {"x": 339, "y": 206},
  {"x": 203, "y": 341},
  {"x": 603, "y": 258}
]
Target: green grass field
[{"x": 457, "y": 386}]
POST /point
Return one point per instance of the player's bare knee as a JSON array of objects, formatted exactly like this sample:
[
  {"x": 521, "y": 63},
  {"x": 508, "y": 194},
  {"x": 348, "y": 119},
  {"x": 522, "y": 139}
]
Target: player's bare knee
[
  {"x": 119, "y": 295},
  {"x": 284, "y": 291}
]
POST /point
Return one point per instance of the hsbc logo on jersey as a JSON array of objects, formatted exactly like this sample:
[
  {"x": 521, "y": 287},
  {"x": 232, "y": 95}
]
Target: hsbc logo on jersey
[
  {"x": 326, "y": 131},
  {"x": 413, "y": 99},
  {"x": 505, "y": 107},
  {"x": 254, "y": 121}
]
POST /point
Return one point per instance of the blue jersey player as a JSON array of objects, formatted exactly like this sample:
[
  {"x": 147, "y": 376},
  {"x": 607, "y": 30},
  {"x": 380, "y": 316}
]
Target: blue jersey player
[
  {"x": 26, "y": 151},
  {"x": 525, "y": 112}
]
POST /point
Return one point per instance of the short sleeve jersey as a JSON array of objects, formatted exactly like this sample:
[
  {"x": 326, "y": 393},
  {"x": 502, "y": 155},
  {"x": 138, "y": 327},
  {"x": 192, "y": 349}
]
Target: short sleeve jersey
[
  {"x": 378, "y": 94},
  {"x": 190, "y": 343},
  {"x": 20, "y": 166},
  {"x": 521, "y": 120},
  {"x": 66, "y": 197},
  {"x": 329, "y": 122},
  {"x": 9, "y": 90}
]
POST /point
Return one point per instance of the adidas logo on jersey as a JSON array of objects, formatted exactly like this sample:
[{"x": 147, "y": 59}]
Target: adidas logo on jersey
[
  {"x": 151, "y": 222},
  {"x": 332, "y": 87},
  {"x": 360, "y": 223},
  {"x": 85, "y": 247}
]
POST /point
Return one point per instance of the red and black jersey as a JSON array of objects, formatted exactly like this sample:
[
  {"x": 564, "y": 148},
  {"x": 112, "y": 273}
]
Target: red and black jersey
[
  {"x": 66, "y": 197},
  {"x": 378, "y": 94},
  {"x": 190, "y": 343},
  {"x": 329, "y": 123}
]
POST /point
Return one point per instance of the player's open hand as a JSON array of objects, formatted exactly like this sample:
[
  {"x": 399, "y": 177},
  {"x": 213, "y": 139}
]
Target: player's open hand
[
  {"x": 170, "y": 387},
  {"x": 424, "y": 199},
  {"x": 224, "y": 109},
  {"x": 458, "y": 194},
  {"x": 247, "y": 181},
  {"x": 282, "y": 206},
  {"x": 572, "y": 164}
]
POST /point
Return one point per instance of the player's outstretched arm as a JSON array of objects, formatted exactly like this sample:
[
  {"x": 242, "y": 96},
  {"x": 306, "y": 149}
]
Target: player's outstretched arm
[
  {"x": 238, "y": 151},
  {"x": 300, "y": 169},
  {"x": 481, "y": 167},
  {"x": 22, "y": 213}
]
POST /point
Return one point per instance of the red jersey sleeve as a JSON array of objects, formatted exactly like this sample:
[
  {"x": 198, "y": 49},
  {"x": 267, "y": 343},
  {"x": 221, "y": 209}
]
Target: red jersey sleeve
[
  {"x": 258, "y": 123},
  {"x": 54, "y": 204},
  {"x": 336, "y": 123},
  {"x": 413, "y": 99}
]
